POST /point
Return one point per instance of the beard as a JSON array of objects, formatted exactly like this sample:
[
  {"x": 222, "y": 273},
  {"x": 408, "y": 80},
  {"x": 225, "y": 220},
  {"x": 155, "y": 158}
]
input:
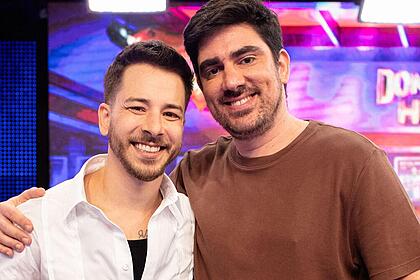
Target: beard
[
  {"x": 142, "y": 169},
  {"x": 237, "y": 124}
]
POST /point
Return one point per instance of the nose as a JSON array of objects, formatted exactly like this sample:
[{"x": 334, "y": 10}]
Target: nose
[
  {"x": 232, "y": 78},
  {"x": 153, "y": 124}
]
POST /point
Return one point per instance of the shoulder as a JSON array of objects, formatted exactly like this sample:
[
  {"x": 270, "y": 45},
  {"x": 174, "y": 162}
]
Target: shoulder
[
  {"x": 332, "y": 139},
  {"x": 61, "y": 190},
  {"x": 210, "y": 151},
  {"x": 54, "y": 196},
  {"x": 32, "y": 208},
  {"x": 198, "y": 162}
]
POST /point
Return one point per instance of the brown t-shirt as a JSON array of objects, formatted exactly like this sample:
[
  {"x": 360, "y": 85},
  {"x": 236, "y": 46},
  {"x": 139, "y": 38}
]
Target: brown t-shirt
[{"x": 328, "y": 206}]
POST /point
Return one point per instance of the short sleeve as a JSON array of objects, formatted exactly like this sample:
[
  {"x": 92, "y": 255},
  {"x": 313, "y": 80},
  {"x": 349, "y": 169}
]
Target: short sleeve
[{"x": 385, "y": 225}]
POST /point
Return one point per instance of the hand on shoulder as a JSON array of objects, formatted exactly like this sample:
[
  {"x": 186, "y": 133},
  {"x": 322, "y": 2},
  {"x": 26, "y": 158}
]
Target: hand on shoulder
[{"x": 15, "y": 228}]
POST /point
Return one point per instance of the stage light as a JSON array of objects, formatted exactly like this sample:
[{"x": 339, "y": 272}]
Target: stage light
[
  {"x": 403, "y": 36},
  {"x": 128, "y": 6},
  {"x": 327, "y": 28},
  {"x": 380, "y": 11}
]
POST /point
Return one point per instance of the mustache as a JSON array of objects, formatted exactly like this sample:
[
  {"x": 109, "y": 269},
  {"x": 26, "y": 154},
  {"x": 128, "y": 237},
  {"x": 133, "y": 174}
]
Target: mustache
[
  {"x": 147, "y": 137},
  {"x": 240, "y": 90}
]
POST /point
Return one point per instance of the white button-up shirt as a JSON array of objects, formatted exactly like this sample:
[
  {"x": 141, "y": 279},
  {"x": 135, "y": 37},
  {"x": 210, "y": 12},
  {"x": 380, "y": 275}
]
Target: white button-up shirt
[{"x": 73, "y": 239}]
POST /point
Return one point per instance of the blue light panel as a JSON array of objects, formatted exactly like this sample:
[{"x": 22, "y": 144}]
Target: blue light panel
[{"x": 18, "y": 155}]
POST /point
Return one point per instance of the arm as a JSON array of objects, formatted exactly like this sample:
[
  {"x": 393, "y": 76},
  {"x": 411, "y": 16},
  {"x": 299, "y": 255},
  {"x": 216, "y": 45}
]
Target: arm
[
  {"x": 385, "y": 227},
  {"x": 14, "y": 237}
]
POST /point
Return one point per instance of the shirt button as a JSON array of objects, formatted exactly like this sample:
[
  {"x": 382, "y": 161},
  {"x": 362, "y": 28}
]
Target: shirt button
[{"x": 125, "y": 267}]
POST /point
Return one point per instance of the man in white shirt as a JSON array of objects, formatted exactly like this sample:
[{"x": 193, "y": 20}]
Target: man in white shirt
[{"x": 85, "y": 227}]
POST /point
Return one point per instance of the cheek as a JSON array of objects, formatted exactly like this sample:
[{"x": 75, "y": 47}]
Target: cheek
[
  {"x": 265, "y": 82},
  {"x": 130, "y": 122},
  {"x": 210, "y": 90},
  {"x": 174, "y": 131},
  {"x": 211, "y": 101}
]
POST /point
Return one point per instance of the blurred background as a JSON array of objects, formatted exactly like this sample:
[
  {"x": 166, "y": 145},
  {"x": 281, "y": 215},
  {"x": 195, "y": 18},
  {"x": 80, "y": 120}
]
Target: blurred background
[{"x": 360, "y": 76}]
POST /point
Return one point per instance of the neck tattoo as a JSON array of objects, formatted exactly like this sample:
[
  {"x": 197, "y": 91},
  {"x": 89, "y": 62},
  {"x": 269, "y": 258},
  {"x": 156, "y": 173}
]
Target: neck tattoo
[{"x": 142, "y": 234}]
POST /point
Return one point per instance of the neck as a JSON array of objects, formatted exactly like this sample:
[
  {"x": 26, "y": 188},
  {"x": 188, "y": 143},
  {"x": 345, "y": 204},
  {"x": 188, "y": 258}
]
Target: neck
[
  {"x": 285, "y": 129},
  {"x": 125, "y": 200}
]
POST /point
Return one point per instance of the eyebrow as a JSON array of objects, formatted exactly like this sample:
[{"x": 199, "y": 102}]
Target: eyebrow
[
  {"x": 147, "y": 102},
  {"x": 215, "y": 60},
  {"x": 136, "y": 99},
  {"x": 174, "y": 106},
  {"x": 243, "y": 51}
]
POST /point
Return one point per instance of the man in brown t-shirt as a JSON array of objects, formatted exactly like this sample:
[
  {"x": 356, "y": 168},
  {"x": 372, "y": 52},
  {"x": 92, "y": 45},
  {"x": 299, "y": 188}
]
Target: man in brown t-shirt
[{"x": 283, "y": 198}]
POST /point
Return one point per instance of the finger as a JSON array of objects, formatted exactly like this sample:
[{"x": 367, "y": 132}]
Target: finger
[
  {"x": 6, "y": 251},
  {"x": 10, "y": 243},
  {"x": 12, "y": 234},
  {"x": 33, "y": 192},
  {"x": 10, "y": 214}
]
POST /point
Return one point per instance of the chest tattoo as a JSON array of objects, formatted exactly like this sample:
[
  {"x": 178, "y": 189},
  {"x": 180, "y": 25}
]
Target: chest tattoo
[{"x": 142, "y": 234}]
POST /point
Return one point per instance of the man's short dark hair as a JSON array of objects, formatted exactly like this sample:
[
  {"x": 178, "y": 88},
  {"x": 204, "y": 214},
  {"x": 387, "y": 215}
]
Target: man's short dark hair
[
  {"x": 218, "y": 13},
  {"x": 155, "y": 53}
]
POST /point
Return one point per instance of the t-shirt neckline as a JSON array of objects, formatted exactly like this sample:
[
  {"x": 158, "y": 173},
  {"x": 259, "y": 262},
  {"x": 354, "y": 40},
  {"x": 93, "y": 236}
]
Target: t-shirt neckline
[{"x": 265, "y": 161}]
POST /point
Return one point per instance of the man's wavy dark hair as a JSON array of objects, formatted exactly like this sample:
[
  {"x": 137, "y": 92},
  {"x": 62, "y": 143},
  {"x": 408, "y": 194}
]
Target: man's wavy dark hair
[
  {"x": 218, "y": 13},
  {"x": 155, "y": 53}
]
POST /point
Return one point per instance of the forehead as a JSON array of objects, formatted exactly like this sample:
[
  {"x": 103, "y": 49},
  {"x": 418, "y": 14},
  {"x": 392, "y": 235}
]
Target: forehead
[
  {"x": 228, "y": 39},
  {"x": 153, "y": 83}
]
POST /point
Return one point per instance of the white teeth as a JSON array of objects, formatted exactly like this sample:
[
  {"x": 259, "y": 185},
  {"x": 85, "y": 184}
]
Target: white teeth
[
  {"x": 147, "y": 148},
  {"x": 241, "y": 101}
]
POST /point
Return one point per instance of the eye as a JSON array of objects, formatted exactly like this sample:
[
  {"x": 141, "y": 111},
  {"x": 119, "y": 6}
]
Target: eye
[
  {"x": 136, "y": 109},
  {"x": 211, "y": 72},
  {"x": 172, "y": 116},
  {"x": 247, "y": 60}
]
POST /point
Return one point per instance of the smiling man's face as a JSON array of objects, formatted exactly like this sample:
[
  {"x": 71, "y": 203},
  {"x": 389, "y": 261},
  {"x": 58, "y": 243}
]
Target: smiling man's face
[
  {"x": 241, "y": 82},
  {"x": 146, "y": 120}
]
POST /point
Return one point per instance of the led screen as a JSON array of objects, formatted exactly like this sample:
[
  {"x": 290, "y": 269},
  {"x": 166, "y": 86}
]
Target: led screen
[{"x": 18, "y": 117}]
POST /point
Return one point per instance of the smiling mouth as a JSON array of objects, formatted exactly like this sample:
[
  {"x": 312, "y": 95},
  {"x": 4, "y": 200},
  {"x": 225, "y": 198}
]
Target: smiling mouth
[
  {"x": 240, "y": 101},
  {"x": 148, "y": 148}
]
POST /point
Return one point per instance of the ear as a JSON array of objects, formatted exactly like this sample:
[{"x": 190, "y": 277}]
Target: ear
[
  {"x": 104, "y": 118},
  {"x": 284, "y": 66}
]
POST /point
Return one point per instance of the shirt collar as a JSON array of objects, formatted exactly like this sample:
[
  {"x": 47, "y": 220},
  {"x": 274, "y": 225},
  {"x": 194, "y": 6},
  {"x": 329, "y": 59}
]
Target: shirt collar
[
  {"x": 76, "y": 192},
  {"x": 76, "y": 189},
  {"x": 170, "y": 197}
]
